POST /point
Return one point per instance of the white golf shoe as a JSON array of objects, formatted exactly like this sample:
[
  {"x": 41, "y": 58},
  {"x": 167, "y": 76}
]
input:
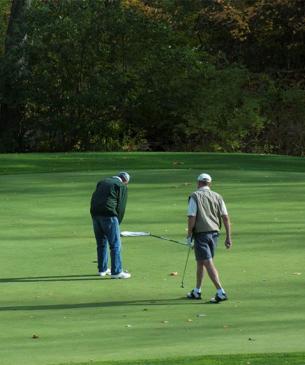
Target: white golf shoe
[
  {"x": 193, "y": 294},
  {"x": 121, "y": 275},
  {"x": 104, "y": 273}
]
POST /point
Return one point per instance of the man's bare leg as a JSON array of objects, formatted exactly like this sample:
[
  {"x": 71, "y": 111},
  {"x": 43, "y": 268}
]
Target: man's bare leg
[
  {"x": 213, "y": 273},
  {"x": 200, "y": 273}
]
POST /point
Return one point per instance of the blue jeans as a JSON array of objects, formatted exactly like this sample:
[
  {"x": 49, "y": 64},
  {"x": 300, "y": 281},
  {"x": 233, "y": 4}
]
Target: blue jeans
[{"x": 107, "y": 231}]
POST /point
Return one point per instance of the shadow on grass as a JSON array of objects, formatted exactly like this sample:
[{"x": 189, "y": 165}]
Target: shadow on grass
[
  {"x": 229, "y": 359},
  {"x": 31, "y": 279},
  {"x": 123, "y": 303}
]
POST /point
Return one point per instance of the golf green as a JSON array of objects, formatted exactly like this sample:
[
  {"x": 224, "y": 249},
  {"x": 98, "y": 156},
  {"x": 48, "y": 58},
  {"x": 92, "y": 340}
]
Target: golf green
[{"x": 54, "y": 309}]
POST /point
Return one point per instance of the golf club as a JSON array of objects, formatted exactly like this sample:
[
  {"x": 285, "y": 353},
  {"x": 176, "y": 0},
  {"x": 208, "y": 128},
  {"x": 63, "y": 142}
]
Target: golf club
[
  {"x": 187, "y": 259},
  {"x": 139, "y": 234}
]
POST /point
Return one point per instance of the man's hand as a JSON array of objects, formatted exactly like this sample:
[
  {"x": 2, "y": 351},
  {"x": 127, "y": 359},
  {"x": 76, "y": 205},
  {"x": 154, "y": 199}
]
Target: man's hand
[
  {"x": 228, "y": 242},
  {"x": 227, "y": 224},
  {"x": 189, "y": 241}
]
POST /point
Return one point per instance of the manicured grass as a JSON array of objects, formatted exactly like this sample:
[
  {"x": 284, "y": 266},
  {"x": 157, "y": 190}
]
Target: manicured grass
[
  {"x": 249, "y": 359},
  {"x": 47, "y": 272},
  {"x": 90, "y": 161}
]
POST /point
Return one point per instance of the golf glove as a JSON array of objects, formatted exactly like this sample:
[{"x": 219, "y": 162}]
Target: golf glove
[{"x": 189, "y": 241}]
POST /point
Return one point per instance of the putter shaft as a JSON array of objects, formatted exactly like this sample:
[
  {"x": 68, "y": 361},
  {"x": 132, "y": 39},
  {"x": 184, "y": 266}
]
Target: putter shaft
[
  {"x": 184, "y": 271},
  {"x": 168, "y": 239}
]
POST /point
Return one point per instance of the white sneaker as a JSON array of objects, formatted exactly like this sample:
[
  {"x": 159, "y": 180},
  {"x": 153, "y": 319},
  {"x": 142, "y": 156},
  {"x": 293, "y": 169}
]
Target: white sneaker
[
  {"x": 193, "y": 294},
  {"x": 104, "y": 273},
  {"x": 121, "y": 275}
]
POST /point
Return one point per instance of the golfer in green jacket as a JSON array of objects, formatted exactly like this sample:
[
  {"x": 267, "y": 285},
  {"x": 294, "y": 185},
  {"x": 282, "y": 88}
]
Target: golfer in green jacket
[{"x": 108, "y": 205}]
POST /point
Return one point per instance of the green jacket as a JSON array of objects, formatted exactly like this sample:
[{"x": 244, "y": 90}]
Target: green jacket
[{"x": 109, "y": 199}]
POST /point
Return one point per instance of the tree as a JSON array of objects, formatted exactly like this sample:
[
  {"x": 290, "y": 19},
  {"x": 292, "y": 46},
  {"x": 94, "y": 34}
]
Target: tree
[
  {"x": 4, "y": 16},
  {"x": 153, "y": 74},
  {"x": 12, "y": 70},
  {"x": 103, "y": 72}
]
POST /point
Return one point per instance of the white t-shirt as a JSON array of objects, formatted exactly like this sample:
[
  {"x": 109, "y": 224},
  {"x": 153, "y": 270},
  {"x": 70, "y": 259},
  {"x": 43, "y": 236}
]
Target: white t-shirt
[{"x": 192, "y": 206}]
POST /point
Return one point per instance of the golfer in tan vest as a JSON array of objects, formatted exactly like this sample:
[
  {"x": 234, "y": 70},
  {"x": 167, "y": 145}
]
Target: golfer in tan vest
[{"x": 206, "y": 212}]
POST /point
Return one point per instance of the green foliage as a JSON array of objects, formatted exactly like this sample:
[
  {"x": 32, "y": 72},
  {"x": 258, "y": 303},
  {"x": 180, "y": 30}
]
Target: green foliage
[
  {"x": 276, "y": 41},
  {"x": 265, "y": 35},
  {"x": 4, "y": 15},
  {"x": 13, "y": 80},
  {"x": 224, "y": 116},
  {"x": 218, "y": 75},
  {"x": 266, "y": 39},
  {"x": 285, "y": 130},
  {"x": 116, "y": 73}
]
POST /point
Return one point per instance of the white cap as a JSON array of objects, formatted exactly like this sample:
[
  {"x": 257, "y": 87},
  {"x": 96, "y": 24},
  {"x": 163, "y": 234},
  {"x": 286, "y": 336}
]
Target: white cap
[
  {"x": 204, "y": 177},
  {"x": 124, "y": 175}
]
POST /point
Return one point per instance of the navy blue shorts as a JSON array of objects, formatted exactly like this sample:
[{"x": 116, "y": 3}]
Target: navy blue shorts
[{"x": 205, "y": 245}]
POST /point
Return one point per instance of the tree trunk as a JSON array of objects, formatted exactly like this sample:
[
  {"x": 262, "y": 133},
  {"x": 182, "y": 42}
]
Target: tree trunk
[{"x": 10, "y": 110}]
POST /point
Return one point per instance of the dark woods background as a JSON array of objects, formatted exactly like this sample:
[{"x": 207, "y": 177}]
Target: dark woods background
[{"x": 191, "y": 75}]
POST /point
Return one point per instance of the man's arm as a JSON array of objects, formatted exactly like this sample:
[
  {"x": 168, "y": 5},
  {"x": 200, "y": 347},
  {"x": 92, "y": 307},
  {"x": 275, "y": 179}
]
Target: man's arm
[
  {"x": 227, "y": 224},
  {"x": 122, "y": 201},
  {"x": 191, "y": 220}
]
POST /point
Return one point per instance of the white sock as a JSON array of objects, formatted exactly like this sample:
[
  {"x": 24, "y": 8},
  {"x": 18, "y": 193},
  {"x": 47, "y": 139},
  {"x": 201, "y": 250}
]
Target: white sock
[
  {"x": 221, "y": 292},
  {"x": 198, "y": 291}
]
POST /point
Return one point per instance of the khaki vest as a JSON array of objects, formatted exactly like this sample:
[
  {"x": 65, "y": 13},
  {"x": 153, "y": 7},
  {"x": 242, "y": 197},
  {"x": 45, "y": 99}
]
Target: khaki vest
[{"x": 208, "y": 216}]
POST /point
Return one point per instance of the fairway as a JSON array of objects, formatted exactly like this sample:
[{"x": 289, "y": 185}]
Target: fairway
[{"x": 54, "y": 309}]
